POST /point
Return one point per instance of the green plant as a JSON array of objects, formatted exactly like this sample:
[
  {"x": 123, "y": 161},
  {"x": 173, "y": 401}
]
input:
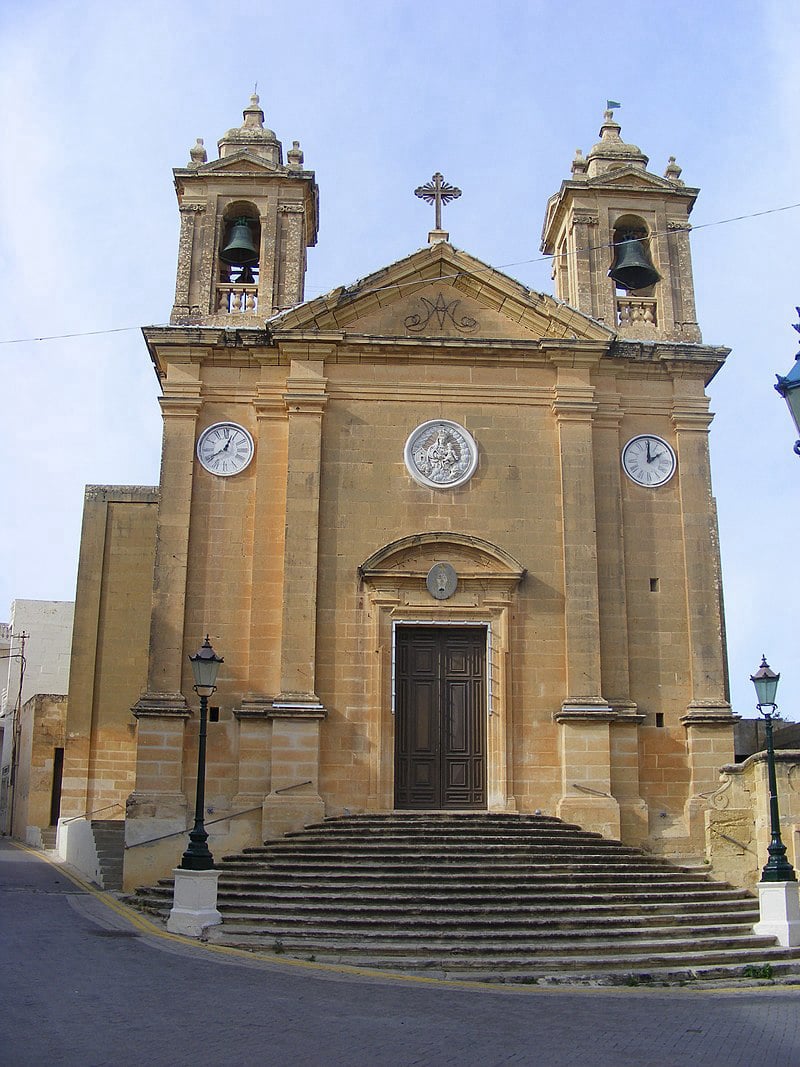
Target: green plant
[{"x": 754, "y": 971}]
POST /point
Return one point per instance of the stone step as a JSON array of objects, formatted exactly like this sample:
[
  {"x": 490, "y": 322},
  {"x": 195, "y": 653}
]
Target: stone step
[
  {"x": 457, "y": 869},
  {"x": 313, "y": 898},
  {"x": 504, "y": 897},
  {"x": 506, "y": 835},
  {"x": 493, "y": 928},
  {"x": 424, "y": 846},
  {"x": 520, "y": 878},
  {"x": 555, "y": 951}
]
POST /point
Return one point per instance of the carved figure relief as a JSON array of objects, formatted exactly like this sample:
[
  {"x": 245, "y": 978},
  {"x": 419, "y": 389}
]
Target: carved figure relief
[{"x": 441, "y": 454}]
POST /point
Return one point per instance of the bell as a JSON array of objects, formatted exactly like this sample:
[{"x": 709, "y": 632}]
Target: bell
[
  {"x": 633, "y": 268},
  {"x": 240, "y": 250}
]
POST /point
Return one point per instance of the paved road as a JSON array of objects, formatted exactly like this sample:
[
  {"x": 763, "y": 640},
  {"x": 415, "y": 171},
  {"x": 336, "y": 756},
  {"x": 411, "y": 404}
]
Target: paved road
[{"x": 81, "y": 985}]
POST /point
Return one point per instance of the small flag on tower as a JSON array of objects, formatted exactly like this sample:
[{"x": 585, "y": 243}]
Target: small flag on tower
[{"x": 611, "y": 104}]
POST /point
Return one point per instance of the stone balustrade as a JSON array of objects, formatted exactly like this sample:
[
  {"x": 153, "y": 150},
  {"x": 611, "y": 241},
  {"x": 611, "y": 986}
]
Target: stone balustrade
[
  {"x": 636, "y": 311},
  {"x": 237, "y": 299}
]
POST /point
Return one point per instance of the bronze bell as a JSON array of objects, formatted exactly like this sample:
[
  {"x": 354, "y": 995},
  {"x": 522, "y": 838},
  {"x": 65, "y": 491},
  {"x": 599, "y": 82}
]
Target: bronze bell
[
  {"x": 240, "y": 250},
  {"x": 633, "y": 268}
]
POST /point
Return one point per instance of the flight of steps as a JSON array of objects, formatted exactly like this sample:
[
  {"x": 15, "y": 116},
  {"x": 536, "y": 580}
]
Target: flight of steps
[
  {"x": 486, "y": 897},
  {"x": 109, "y": 843}
]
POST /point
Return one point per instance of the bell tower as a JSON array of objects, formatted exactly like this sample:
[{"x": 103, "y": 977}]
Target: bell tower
[
  {"x": 246, "y": 222},
  {"x": 619, "y": 237}
]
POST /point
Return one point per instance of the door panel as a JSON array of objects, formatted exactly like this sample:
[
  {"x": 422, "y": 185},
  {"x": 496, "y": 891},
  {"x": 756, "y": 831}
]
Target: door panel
[{"x": 440, "y": 728}]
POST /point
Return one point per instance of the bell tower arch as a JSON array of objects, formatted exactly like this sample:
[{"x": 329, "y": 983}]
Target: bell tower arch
[
  {"x": 246, "y": 222},
  {"x": 619, "y": 237}
]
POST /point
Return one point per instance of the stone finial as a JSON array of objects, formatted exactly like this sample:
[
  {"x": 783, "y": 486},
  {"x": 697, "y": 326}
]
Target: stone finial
[
  {"x": 579, "y": 164},
  {"x": 198, "y": 154},
  {"x": 673, "y": 171},
  {"x": 253, "y": 115},
  {"x": 295, "y": 156},
  {"x": 252, "y": 135}
]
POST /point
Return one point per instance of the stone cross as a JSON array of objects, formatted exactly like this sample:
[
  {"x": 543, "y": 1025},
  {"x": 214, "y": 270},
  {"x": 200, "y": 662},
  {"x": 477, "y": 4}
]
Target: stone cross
[{"x": 437, "y": 191}]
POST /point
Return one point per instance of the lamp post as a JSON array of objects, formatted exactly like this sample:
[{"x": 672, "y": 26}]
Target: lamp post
[
  {"x": 789, "y": 389},
  {"x": 777, "y": 867},
  {"x": 205, "y": 666}
]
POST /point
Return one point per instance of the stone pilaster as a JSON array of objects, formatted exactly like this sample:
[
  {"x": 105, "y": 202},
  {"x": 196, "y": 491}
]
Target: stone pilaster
[
  {"x": 157, "y": 807},
  {"x": 180, "y": 407},
  {"x": 305, "y": 400},
  {"x": 269, "y": 533},
  {"x": 183, "y": 312},
  {"x": 692, "y": 419},
  {"x": 583, "y": 252},
  {"x": 291, "y": 257},
  {"x": 294, "y": 800},
  {"x": 684, "y": 312},
  {"x": 574, "y": 408},
  {"x": 253, "y": 753},
  {"x": 585, "y": 750}
]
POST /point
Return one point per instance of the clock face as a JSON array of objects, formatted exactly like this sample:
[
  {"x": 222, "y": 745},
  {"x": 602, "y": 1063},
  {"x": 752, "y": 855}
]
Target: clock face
[
  {"x": 648, "y": 460},
  {"x": 225, "y": 448}
]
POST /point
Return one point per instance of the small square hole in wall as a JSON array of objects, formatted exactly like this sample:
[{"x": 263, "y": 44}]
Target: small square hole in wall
[
  {"x": 213, "y": 714},
  {"x": 654, "y": 585},
  {"x": 659, "y": 718}
]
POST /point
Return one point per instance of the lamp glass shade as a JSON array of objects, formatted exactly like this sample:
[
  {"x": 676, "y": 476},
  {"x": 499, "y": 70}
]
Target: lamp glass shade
[
  {"x": 765, "y": 681},
  {"x": 205, "y": 666},
  {"x": 789, "y": 389}
]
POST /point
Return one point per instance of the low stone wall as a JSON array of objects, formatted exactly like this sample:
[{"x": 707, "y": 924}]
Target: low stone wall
[{"x": 737, "y": 819}]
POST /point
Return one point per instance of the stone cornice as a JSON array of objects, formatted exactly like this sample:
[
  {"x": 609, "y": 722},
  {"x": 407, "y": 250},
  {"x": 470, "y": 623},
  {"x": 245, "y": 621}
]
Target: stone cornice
[{"x": 161, "y": 706}]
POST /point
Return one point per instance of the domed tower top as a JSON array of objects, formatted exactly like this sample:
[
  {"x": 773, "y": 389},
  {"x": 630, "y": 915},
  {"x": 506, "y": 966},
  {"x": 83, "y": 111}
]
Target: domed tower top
[
  {"x": 619, "y": 238},
  {"x": 611, "y": 152},
  {"x": 252, "y": 135}
]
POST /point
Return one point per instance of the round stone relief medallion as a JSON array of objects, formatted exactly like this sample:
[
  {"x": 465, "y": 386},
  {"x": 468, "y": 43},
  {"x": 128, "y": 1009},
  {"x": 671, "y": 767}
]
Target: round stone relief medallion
[
  {"x": 441, "y": 454},
  {"x": 442, "y": 581}
]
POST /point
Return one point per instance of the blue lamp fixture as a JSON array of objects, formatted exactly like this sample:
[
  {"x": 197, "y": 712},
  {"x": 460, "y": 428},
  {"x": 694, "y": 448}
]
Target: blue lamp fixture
[{"x": 789, "y": 389}]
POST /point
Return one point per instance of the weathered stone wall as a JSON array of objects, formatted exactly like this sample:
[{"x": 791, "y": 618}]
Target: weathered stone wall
[
  {"x": 737, "y": 818},
  {"x": 42, "y": 731},
  {"x": 109, "y": 648}
]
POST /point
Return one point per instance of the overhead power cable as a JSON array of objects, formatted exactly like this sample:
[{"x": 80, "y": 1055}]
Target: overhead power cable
[{"x": 690, "y": 227}]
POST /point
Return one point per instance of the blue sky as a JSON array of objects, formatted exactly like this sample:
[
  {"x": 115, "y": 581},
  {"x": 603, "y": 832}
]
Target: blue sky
[{"x": 98, "y": 102}]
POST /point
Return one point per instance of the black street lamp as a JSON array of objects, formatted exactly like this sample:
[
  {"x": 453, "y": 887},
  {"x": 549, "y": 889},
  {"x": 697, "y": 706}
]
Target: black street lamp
[
  {"x": 789, "y": 389},
  {"x": 205, "y": 666},
  {"x": 777, "y": 867}
]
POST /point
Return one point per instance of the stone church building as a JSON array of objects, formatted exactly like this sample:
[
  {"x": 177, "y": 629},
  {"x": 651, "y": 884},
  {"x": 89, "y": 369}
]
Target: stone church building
[{"x": 454, "y": 539}]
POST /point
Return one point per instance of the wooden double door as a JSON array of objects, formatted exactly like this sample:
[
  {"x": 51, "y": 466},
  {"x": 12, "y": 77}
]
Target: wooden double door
[{"x": 440, "y": 717}]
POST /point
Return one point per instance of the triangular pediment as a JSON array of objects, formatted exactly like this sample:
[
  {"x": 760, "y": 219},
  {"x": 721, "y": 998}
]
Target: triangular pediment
[
  {"x": 441, "y": 293},
  {"x": 243, "y": 162},
  {"x": 632, "y": 178}
]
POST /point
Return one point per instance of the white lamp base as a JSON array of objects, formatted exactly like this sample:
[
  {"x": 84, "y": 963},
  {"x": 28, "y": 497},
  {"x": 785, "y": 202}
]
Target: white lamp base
[
  {"x": 779, "y": 905},
  {"x": 194, "y": 904}
]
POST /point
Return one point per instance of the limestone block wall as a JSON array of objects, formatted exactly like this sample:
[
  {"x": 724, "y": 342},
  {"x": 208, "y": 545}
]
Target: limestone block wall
[
  {"x": 109, "y": 648},
  {"x": 42, "y": 730}
]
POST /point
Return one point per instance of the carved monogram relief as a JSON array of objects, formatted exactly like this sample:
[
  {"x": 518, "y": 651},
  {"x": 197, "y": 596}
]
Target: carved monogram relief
[
  {"x": 438, "y": 314},
  {"x": 441, "y": 454}
]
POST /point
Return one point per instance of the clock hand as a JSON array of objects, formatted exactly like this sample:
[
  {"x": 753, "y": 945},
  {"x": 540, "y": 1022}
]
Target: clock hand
[{"x": 649, "y": 457}]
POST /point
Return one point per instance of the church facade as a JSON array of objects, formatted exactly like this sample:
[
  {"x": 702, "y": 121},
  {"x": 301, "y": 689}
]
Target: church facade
[{"x": 455, "y": 539}]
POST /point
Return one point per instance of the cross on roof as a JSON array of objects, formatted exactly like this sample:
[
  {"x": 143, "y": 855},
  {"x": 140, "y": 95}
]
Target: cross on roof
[{"x": 437, "y": 191}]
